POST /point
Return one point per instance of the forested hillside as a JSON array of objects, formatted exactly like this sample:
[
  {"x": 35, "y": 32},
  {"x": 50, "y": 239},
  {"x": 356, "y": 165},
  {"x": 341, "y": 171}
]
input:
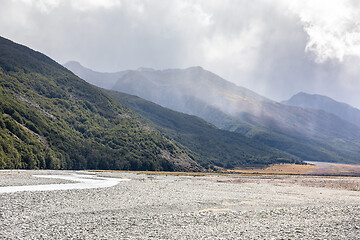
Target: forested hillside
[
  {"x": 214, "y": 146},
  {"x": 308, "y": 134},
  {"x": 52, "y": 119}
]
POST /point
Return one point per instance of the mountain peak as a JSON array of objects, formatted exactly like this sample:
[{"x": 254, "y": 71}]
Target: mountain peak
[
  {"x": 145, "y": 69},
  {"x": 312, "y": 96},
  {"x": 302, "y": 94},
  {"x": 327, "y": 104},
  {"x": 196, "y": 68},
  {"x": 73, "y": 63},
  {"x": 302, "y": 97}
]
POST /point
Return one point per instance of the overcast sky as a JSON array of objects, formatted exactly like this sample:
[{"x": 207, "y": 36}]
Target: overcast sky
[{"x": 274, "y": 47}]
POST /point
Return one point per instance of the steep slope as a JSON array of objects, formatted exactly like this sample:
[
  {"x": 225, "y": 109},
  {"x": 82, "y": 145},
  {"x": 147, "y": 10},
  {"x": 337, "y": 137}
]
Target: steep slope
[
  {"x": 52, "y": 119},
  {"x": 215, "y": 146},
  {"x": 319, "y": 102},
  {"x": 49, "y": 118},
  {"x": 307, "y": 133}
]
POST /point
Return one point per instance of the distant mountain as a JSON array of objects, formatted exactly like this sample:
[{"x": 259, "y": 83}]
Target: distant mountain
[
  {"x": 319, "y": 102},
  {"x": 309, "y": 134},
  {"x": 105, "y": 80},
  {"x": 194, "y": 89}
]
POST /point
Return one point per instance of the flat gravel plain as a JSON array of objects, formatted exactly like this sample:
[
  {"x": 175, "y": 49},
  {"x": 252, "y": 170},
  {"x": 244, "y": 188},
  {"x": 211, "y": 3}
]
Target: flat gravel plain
[{"x": 182, "y": 207}]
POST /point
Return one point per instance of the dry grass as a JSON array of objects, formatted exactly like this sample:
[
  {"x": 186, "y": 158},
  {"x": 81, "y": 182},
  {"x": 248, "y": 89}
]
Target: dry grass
[
  {"x": 285, "y": 168},
  {"x": 275, "y": 174},
  {"x": 195, "y": 174},
  {"x": 320, "y": 169}
]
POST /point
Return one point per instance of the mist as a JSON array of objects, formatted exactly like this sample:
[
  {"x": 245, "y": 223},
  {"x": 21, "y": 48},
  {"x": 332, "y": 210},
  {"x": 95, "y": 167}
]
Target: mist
[{"x": 275, "y": 48}]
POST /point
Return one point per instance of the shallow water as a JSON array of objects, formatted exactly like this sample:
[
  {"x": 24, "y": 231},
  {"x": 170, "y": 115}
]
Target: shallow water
[
  {"x": 330, "y": 163},
  {"x": 81, "y": 181}
]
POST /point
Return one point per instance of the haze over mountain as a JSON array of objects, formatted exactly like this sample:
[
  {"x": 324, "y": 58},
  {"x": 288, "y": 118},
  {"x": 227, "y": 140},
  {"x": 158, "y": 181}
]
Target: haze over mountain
[
  {"x": 320, "y": 102},
  {"x": 199, "y": 92},
  {"x": 222, "y": 148},
  {"x": 50, "y": 118}
]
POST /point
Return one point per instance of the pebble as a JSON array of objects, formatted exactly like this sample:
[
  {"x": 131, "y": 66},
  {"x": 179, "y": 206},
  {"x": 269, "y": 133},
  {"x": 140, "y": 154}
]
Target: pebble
[{"x": 178, "y": 207}]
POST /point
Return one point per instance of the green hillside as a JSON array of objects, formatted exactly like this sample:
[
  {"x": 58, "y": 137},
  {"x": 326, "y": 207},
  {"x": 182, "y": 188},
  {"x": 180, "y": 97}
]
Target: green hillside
[
  {"x": 215, "y": 146},
  {"x": 308, "y": 134},
  {"x": 49, "y": 118}
]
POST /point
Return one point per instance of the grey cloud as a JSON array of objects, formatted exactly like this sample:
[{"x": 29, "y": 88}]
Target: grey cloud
[{"x": 256, "y": 44}]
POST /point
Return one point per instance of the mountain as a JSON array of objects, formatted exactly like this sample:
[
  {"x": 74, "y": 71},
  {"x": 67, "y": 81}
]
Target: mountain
[
  {"x": 319, "y": 102},
  {"x": 105, "y": 80},
  {"x": 309, "y": 134},
  {"x": 215, "y": 146},
  {"x": 50, "y": 118},
  {"x": 194, "y": 89}
]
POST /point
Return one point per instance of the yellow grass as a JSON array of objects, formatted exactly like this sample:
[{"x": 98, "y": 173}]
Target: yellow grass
[
  {"x": 159, "y": 172},
  {"x": 285, "y": 168},
  {"x": 322, "y": 169}
]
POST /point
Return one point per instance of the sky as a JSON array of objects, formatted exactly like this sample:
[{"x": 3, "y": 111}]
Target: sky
[{"x": 276, "y": 48}]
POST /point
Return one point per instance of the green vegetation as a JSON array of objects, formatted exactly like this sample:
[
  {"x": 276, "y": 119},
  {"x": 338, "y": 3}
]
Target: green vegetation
[
  {"x": 49, "y": 118},
  {"x": 214, "y": 146},
  {"x": 305, "y": 148}
]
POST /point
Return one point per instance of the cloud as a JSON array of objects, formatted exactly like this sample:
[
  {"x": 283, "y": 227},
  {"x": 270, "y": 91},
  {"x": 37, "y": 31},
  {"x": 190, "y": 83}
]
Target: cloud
[
  {"x": 45, "y": 6},
  {"x": 333, "y": 27},
  {"x": 90, "y": 5},
  {"x": 274, "y": 47}
]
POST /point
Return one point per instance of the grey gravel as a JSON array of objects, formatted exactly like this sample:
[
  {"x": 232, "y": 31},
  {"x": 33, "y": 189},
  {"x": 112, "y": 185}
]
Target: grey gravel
[{"x": 179, "y": 207}]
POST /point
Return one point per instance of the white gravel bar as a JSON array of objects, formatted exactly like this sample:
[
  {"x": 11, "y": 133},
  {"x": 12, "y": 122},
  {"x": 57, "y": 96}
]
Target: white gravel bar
[{"x": 177, "y": 207}]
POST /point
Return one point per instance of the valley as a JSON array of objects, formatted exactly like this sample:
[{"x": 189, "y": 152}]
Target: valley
[
  {"x": 52, "y": 119},
  {"x": 179, "y": 120},
  {"x": 306, "y": 133}
]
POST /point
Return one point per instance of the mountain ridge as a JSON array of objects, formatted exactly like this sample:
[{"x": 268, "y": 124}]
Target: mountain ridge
[
  {"x": 50, "y": 118},
  {"x": 291, "y": 129},
  {"x": 217, "y": 145},
  {"x": 327, "y": 104}
]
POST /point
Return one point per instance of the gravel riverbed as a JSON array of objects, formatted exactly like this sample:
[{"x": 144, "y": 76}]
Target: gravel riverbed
[{"x": 181, "y": 207}]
